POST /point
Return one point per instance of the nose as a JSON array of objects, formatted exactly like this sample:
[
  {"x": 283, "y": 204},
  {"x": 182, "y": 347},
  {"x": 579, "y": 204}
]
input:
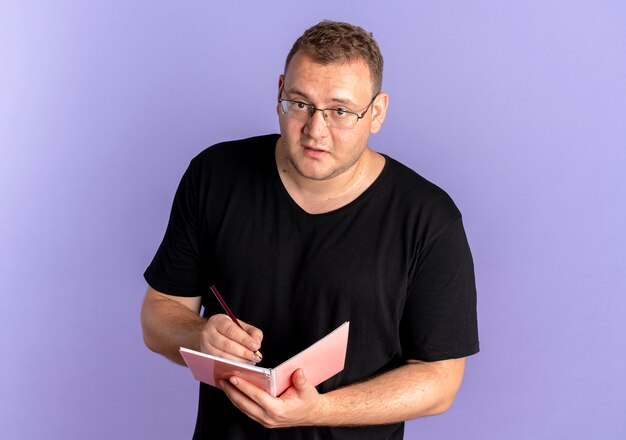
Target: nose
[{"x": 316, "y": 126}]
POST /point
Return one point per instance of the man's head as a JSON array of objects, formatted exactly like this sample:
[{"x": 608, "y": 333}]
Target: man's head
[
  {"x": 329, "y": 101},
  {"x": 335, "y": 42}
]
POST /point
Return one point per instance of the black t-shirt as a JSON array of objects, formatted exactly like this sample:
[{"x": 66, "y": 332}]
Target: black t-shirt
[{"x": 394, "y": 262}]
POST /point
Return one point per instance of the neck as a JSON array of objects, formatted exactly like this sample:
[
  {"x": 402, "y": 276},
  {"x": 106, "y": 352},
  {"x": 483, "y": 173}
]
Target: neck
[{"x": 318, "y": 196}]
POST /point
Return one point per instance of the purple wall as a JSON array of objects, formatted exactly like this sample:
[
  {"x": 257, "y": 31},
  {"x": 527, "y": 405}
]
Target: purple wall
[{"x": 518, "y": 111}]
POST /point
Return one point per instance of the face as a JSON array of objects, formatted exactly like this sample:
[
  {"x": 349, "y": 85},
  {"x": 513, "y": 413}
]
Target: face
[{"x": 311, "y": 148}]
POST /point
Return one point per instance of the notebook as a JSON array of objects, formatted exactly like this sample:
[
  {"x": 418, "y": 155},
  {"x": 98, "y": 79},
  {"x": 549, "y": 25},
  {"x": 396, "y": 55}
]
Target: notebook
[{"x": 320, "y": 361}]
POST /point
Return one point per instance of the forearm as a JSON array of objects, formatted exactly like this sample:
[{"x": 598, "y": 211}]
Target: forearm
[
  {"x": 168, "y": 325},
  {"x": 411, "y": 391}
]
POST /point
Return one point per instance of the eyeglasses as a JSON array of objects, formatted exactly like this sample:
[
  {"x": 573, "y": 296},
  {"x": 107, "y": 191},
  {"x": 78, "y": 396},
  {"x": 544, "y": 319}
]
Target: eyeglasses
[{"x": 338, "y": 117}]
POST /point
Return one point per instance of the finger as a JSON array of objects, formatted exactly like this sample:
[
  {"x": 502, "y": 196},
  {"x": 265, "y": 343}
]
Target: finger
[
  {"x": 222, "y": 337},
  {"x": 233, "y": 389},
  {"x": 254, "y": 332},
  {"x": 255, "y": 397},
  {"x": 235, "y": 333}
]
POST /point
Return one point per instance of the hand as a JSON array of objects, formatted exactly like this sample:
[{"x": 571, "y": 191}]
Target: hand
[
  {"x": 222, "y": 337},
  {"x": 295, "y": 407}
]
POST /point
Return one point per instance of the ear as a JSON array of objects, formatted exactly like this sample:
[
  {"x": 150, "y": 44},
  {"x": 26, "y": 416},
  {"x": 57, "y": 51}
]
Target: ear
[
  {"x": 281, "y": 84},
  {"x": 379, "y": 111}
]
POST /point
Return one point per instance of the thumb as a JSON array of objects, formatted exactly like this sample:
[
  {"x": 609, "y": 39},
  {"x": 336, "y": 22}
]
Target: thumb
[{"x": 299, "y": 379}]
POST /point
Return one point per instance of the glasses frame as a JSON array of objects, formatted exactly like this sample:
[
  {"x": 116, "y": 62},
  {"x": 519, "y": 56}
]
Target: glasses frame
[{"x": 312, "y": 109}]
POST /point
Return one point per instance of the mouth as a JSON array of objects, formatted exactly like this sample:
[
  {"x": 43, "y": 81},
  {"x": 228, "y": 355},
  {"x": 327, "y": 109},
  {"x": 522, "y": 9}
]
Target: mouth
[{"x": 314, "y": 152}]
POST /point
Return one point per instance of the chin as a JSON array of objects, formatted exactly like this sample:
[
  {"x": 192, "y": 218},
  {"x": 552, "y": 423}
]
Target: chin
[
  {"x": 312, "y": 172},
  {"x": 311, "y": 168}
]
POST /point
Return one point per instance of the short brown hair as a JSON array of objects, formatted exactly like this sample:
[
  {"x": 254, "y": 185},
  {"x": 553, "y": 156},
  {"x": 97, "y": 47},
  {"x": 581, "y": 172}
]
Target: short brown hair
[{"x": 332, "y": 41}]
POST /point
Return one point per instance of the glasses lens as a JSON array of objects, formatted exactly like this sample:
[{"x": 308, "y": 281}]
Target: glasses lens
[
  {"x": 336, "y": 118},
  {"x": 284, "y": 106},
  {"x": 296, "y": 110},
  {"x": 341, "y": 119}
]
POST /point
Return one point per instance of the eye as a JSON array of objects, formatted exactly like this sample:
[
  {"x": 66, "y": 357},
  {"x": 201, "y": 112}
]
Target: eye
[
  {"x": 341, "y": 112},
  {"x": 299, "y": 106}
]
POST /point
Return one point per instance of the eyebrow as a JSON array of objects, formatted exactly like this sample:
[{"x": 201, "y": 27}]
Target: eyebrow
[{"x": 294, "y": 91}]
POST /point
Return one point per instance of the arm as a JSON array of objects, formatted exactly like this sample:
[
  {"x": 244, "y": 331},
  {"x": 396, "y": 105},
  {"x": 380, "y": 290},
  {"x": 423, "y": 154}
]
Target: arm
[
  {"x": 170, "y": 322},
  {"x": 416, "y": 389}
]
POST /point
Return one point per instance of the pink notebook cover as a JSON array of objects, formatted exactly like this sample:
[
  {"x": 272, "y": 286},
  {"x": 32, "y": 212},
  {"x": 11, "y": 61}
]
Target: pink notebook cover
[{"x": 320, "y": 361}]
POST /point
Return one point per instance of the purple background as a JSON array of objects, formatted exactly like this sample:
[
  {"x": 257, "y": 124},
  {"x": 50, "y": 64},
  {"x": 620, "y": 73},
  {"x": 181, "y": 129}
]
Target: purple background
[{"x": 517, "y": 109}]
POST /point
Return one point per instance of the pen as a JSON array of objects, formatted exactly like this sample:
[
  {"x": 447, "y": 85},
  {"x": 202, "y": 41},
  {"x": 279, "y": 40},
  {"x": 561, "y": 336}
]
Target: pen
[{"x": 230, "y": 313}]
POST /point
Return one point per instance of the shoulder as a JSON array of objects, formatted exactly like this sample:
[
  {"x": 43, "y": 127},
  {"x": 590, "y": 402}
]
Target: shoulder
[
  {"x": 229, "y": 161},
  {"x": 239, "y": 156},
  {"x": 415, "y": 191},
  {"x": 239, "y": 149}
]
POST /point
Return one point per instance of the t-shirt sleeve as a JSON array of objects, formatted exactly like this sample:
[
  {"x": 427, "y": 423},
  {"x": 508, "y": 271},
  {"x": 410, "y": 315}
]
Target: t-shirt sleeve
[
  {"x": 175, "y": 267},
  {"x": 439, "y": 321}
]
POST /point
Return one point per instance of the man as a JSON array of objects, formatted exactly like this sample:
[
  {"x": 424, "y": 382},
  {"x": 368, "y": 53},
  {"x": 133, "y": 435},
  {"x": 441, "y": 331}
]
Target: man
[{"x": 305, "y": 230}]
